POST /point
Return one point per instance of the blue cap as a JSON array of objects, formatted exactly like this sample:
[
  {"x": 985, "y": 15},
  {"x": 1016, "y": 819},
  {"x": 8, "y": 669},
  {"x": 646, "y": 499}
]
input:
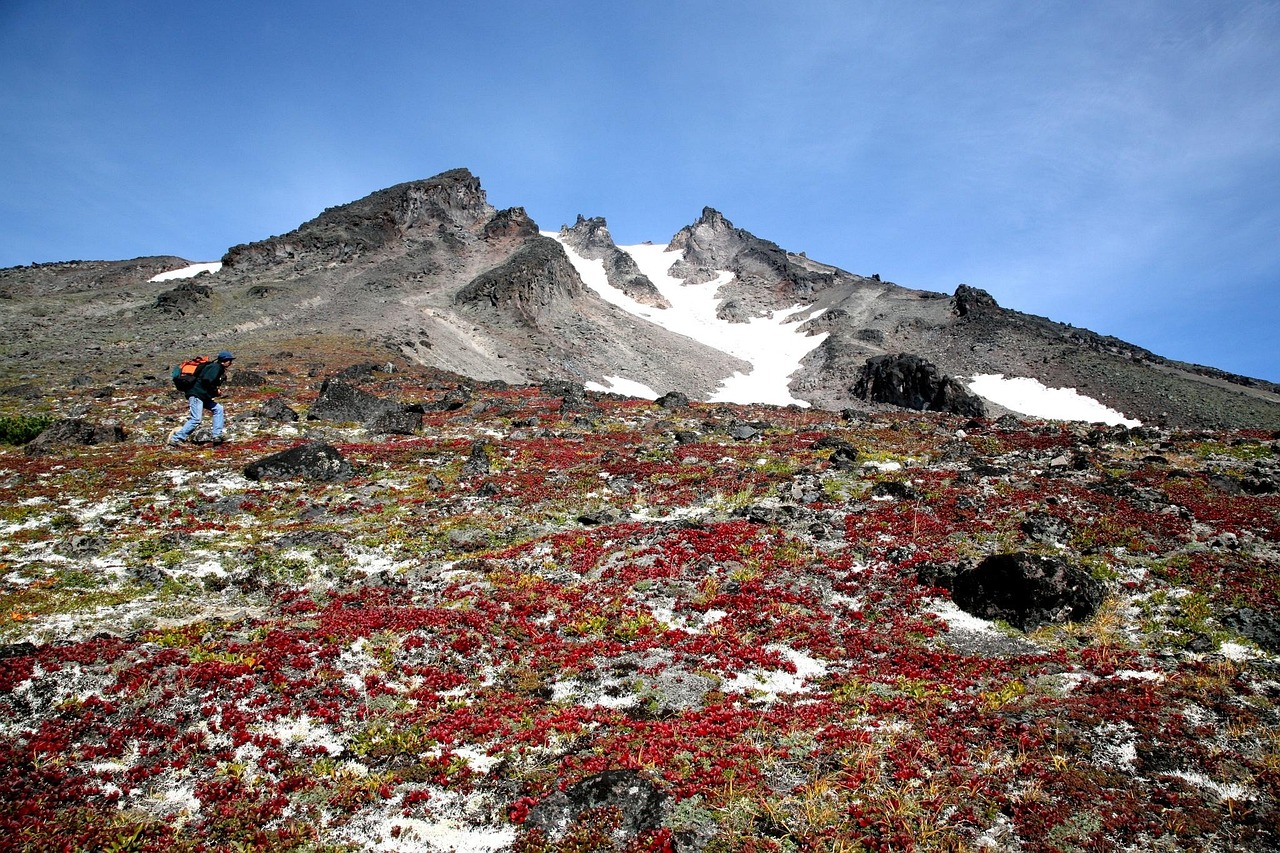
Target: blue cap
[{"x": 225, "y": 356}]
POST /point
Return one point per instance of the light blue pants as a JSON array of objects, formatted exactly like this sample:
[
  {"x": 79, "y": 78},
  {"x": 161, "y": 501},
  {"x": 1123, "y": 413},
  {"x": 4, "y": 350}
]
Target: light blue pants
[{"x": 197, "y": 412}]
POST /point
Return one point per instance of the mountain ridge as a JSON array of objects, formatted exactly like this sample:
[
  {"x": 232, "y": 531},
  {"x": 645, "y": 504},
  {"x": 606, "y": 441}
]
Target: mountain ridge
[{"x": 397, "y": 274}]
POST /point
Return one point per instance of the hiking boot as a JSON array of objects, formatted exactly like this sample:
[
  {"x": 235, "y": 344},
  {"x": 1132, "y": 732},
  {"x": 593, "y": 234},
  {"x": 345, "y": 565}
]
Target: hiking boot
[
  {"x": 218, "y": 439},
  {"x": 173, "y": 440}
]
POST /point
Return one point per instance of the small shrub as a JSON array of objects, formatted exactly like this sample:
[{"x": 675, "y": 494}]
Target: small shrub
[{"x": 17, "y": 430}]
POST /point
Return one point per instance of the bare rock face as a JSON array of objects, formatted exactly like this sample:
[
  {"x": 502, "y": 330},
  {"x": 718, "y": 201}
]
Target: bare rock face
[
  {"x": 766, "y": 277},
  {"x": 512, "y": 223},
  {"x": 591, "y": 239},
  {"x": 913, "y": 383},
  {"x": 1027, "y": 590},
  {"x": 418, "y": 210},
  {"x": 185, "y": 298},
  {"x": 317, "y": 462},
  {"x": 527, "y": 285},
  {"x": 971, "y": 300}
]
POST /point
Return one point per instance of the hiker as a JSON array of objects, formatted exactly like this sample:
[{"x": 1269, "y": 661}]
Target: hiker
[{"x": 200, "y": 396}]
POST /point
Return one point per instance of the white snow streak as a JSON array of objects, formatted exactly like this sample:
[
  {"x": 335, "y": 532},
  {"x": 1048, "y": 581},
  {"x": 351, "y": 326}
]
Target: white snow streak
[
  {"x": 773, "y": 347},
  {"x": 1029, "y": 397},
  {"x": 188, "y": 272}
]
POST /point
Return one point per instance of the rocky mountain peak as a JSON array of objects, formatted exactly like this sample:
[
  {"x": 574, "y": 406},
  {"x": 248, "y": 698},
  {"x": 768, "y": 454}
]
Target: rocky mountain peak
[
  {"x": 590, "y": 238},
  {"x": 452, "y": 201}
]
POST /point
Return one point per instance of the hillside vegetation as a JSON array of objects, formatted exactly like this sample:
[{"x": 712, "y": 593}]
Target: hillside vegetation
[{"x": 732, "y": 621}]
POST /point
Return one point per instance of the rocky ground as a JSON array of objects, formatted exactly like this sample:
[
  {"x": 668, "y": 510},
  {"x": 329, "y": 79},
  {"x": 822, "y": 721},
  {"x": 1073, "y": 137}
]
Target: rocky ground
[{"x": 479, "y": 617}]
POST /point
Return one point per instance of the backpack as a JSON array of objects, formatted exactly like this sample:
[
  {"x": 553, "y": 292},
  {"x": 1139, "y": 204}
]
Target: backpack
[{"x": 184, "y": 375}]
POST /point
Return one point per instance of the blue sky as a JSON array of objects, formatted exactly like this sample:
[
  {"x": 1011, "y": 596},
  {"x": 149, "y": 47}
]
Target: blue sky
[{"x": 1115, "y": 165}]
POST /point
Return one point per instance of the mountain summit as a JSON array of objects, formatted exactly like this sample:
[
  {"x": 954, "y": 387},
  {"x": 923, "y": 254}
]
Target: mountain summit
[{"x": 429, "y": 273}]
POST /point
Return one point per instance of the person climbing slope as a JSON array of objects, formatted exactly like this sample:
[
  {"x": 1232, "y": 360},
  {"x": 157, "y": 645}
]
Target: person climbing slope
[{"x": 207, "y": 383}]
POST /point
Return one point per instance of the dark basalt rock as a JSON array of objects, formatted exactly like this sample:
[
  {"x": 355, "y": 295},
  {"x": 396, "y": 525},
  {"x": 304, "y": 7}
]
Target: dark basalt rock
[
  {"x": 453, "y": 400},
  {"x": 406, "y": 213},
  {"x": 844, "y": 456},
  {"x": 1262, "y": 628},
  {"x": 246, "y": 379},
  {"x": 538, "y": 275},
  {"x": 971, "y": 300},
  {"x": 640, "y": 804},
  {"x": 275, "y": 409},
  {"x": 1028, "y": 590},
  {"x": 396, "y": 423},
  {"x": 317, "y": 462},
  {"x": 911, "y": 382},
  {"x": 73, "y": 432},
  {"x": 1044, "y": 527},
  {"x": 184, "y": 298},
  {"x": 343, "y": 403},
  {"x": 673, "y": 400},
  {"x": 477, "y": 463}
]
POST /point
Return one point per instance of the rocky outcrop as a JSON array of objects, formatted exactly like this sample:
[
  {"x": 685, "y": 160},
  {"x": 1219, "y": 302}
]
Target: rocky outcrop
[
  {"x": 971, "y": 300},
  {"x": 525, "y": 287},
  {"x": 316, "y": 462},
  {"x": 73, "y": 432},
  {"x": 591, "y": 239},
  {"x": 639, "y": 804},
  {"x": 911, "y": 382},
  {"x": 185, "y": 298},
  {"x": 766, "y": 277},
  {"x": 512, "y": 223},
  {"x": 344, "y": 403},
  {"x": 1028, "y": 590},
  {"x": 419, "y": 210}
]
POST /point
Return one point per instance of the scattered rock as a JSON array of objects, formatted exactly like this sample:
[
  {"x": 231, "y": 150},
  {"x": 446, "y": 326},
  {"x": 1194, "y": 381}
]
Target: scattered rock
[
  {"x": 246, "y": 379},
  {"x": 1044, "y": 527},
  {"x": 73, "y": 432},
  {"x": 673, "y": 400},
  {"x": 396, "y": 423},
  {"x": 453, "y": 400},
  {"x": 184, "y": 298},
  {"x": 477, "y": 464},
  {"x": 1027, "y": 590},
  {"x": 1261, "y": 628},
  {"x": 275, "y": 409},
  {"x": 317, "y": 461},
  {"x": 640, "y": 804},
  {"x": 913, "y": 383},
  {"x": 342, "y": 403}
]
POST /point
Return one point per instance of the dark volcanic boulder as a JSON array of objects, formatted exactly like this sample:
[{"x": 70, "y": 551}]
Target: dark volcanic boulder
[
  {"x": 1262, "y": 628},
  {"x": 276, "y": 409},
  {"x": 673, "y": 400},
  {"x": 396, "y": 422},
  {"x": 185, "y": 297},
  {"x": 453, "y": 400},
  {"x": 972, "y": 300},
  {"x": 639, "y": 803},
  {"x": 317, "y": 462},
  {"x": 911, "y": 382},
  {"x": 341, "y": 402},
  {"x": 1027, "y": 590},
  {"x": 72, "y": 432}
]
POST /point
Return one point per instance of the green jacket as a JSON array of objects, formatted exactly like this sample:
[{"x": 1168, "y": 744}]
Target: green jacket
[{"x": 208, "y": 381}]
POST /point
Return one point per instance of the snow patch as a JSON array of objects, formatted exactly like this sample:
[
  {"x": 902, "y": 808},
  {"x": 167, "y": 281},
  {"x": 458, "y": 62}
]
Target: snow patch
[
  {"x": 627, "y": 387},
  {"x": 1029, "y": 397},
  {"x": 188, "y": 272},
  {"x": 773, "y": 346}
]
